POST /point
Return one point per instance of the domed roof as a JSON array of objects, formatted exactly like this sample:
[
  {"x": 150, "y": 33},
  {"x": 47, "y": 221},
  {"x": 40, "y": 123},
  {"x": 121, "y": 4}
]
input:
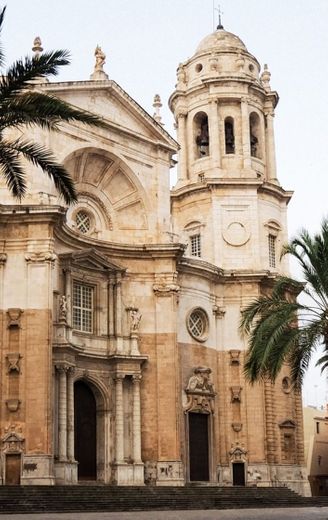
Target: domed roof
[{"x": 220, "y": 40}]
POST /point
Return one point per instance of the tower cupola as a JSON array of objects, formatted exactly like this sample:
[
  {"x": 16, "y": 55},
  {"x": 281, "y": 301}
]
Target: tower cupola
[{"x": 223, "y": 106}]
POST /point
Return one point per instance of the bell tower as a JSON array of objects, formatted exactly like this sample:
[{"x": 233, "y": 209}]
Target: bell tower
[{"x": 224, "y": 108}]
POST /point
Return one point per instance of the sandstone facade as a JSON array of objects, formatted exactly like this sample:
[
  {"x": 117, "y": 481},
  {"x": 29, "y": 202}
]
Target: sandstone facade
[{"x": 121, "y": 357}]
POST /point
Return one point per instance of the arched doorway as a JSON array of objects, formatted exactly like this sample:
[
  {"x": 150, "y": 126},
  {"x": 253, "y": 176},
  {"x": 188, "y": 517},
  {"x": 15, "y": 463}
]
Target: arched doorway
[{"x": 85, "y": 428}]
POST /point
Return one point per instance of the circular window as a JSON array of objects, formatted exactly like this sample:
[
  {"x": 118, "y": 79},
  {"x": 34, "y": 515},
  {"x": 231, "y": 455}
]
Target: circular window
[
  {"x": 199, "y": 67},
  {"x": 83, "y": 221},
  {"x": 197, "y": 323}
]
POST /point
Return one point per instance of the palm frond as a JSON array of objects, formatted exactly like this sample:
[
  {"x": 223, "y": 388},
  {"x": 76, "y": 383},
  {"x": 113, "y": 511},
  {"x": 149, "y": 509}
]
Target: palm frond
[
  {"x": 23, "y": 71},
  {"x": 44, "y": 158},
  {"x": 12, "y": 171},
  {"x": 2, "y": 16},
  {"x": 46, "y": 111}
]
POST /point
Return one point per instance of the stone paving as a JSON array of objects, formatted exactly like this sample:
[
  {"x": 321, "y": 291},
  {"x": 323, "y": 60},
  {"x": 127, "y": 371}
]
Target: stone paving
[{"x": 306, "y": 513}]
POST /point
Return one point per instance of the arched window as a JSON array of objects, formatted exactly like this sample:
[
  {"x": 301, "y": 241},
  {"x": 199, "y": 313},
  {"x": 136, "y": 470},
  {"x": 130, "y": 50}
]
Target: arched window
[
  {"x": 193, "y": 232},
  {"x": 229, "y": 135},
  {"x": 201, "y": 135},
  {"x": 273, "y": 231},
  {"x": 255, "y": 135}
]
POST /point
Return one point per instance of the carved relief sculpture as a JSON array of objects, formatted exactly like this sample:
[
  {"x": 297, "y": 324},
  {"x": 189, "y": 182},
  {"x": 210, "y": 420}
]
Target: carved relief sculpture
[
  {"x": 200, "y": 391},
  {"x": 135, "y": 318},
  {"x": 62, "y": 308}
]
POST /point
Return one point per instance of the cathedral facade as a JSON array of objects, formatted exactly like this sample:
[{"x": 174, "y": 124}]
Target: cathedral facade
[{"x": 121, "y": 359}]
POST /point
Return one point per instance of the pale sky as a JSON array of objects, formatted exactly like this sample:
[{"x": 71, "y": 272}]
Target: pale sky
[{"x": 145, "y": 40}]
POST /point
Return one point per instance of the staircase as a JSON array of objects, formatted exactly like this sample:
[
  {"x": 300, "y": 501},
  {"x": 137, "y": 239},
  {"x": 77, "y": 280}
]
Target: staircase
[{"x": 52, "y": 499}]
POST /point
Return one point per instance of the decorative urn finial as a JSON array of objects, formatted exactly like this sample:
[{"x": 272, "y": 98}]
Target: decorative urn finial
[
  {"x": 157, "y": 104},
  {"x": 37, "y": 46}
]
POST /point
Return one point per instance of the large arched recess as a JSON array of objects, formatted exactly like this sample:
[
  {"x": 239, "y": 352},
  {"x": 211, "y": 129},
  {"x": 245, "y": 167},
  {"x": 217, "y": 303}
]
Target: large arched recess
[{"x": 110, "y": 183}]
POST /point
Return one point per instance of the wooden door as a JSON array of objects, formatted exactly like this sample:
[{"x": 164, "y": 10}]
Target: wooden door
[
  {"x": 13, "y": 469},
  {"x": 85, "y": 427},
  {"x": 198, "y": 447},
  {"x": 238, "y": 474}
]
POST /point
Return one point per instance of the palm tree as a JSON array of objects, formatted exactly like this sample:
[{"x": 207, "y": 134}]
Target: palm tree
[
  {"x": 283, "y": 330},
  {"x": 20, "y": 107}
]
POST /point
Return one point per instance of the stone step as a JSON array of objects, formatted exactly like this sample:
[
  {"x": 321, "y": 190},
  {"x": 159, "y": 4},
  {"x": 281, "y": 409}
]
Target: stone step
[{"x": 38, "y": 499}]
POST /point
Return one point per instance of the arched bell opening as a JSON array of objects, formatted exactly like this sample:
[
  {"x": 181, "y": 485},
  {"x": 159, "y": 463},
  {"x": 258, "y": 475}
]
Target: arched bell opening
[
  {"x": 255, "y": 135},
  {"x": 229, "y": 135},
  {"x": 201, "y": 135}
]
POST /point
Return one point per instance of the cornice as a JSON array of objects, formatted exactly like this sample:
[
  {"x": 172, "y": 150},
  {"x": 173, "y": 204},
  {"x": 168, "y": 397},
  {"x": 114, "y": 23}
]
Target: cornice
[
  {"x": 105, "y": 85},
  {"x": 114, "y": 249},
  {"x": 232, "y": 183},
  {"x": 200, "y": 268},
  {"x": 209, "y": 271},
  {"x": 31, "y": 213}
]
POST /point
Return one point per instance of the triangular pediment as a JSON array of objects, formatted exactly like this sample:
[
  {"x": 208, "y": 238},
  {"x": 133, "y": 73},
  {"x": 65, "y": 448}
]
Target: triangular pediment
[
  {"x": 90, "y": 259},
  {"x": 288, "y": 423},
  {"x": 117, "y": 108}
]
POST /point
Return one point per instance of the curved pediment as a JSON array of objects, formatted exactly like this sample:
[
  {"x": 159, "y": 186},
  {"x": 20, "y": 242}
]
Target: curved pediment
[{"x": 108, "y": 191}]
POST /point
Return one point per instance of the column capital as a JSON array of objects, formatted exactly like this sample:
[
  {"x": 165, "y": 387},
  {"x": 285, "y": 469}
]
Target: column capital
[
  {"x": 182, "y": 113},
  {"x": 61, "y": 367},
  {"x": 136, "y": 378},
  {"x": 118, "y": 377}
]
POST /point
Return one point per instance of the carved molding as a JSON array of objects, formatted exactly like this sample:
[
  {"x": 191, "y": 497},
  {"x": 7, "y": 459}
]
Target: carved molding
[
  {"x": 236, "y": 394},
  {"x": 13, "y": 404},
  {"x": 14, "y": 316},
  {"x": 166, "y": 289},
  {"x": 13, "y": 362},
  {"x": 238, "y": 453},
  {"x": 237, "y": 427},
  {"x": 219, "y": 312},
  {"x": 12, "y": 441},
  {"x": 40, "y": 257},
  {"x": 234, "y": 357}
]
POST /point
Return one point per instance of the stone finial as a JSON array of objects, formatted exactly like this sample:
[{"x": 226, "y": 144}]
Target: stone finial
[
  {"x": 265, "y": 78},
  {"x": 99, "y": 73},
  {"x": 37, "y": 46},
  {"x": 157, "y": 104}
]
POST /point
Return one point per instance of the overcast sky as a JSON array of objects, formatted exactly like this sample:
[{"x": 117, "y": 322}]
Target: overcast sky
[{"x": 145, "y": 40}]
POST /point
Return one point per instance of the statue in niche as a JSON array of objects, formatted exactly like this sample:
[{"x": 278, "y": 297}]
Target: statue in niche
[
  {"x": 100, "y": 59},
  {"x": 200, "y": 381},
  {"x": 62, "y": 307},
  {"x": 135, "y": 318}
]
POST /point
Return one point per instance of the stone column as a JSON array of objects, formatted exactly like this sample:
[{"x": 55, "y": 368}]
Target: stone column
[
  {"x": 214, "y": 130},
  {"x": 270, "y": 149},
  {"x": 62, "y": 413},
  {"x": 119, "y": 419},
  {"x": 111, "y": 313},
  {"x": 182, "y": 140},
  {"x": 118, "y": 323},
  {"x": 68, "y": 294},
  {"x": 70, "y": 414},
  {"x": 136, "y": 419},
  {"x": 245, "y": 133}
]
